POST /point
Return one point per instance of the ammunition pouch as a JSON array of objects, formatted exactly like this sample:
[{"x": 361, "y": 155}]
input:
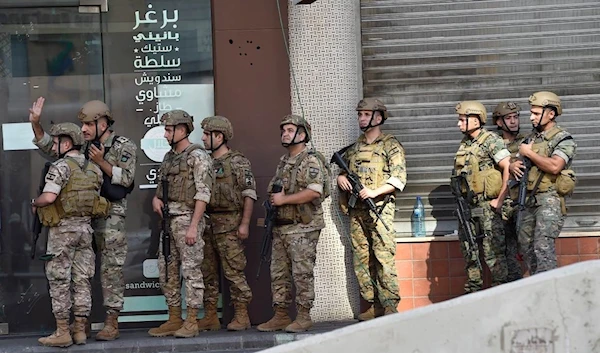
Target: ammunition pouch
[
  {"x": 101, "y": 207},
  {"x": 293, "y": 214},
  {"x": 487, "y": 182},
  {"x": 565, "y": 182},
  {"x": 50, "y": 215}
]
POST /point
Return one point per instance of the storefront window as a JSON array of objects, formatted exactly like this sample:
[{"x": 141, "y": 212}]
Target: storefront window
[{"x": 143, "y": 58}]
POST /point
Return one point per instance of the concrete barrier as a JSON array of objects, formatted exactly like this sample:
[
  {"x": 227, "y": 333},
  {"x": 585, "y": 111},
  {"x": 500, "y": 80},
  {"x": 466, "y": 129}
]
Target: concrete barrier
[{"x": 553, "y": 312}]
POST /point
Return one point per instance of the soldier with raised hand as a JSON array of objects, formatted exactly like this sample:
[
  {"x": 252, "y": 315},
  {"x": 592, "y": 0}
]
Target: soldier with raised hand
[
  {"x": 301, "y": 173},
  {"x": 188, "y": 169},
  {"x": 551, "y": 151},
  {"x": 116, "y": 157},
  {"x": 378, "y": 160},
  {"x": 506, "y": 118},
  {"x": 71, "y": 197},
  {"x": 485, "y": 160},
  {"x": 230, "y": 210}
]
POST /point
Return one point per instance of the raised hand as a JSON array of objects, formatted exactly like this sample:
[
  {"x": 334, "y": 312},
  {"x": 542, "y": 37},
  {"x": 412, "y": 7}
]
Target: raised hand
[{"x": 36, "y": 110}]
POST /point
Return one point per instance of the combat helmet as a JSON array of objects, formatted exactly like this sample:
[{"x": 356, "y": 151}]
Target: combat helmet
[
  {"x": 373, "y": 104},
  {"x": 219, "y": 124},
  {"x": 298, "y": 121},
  {"x": 176, "y": 117},
  {"x": 546, "y": 99},
  {"x": 94, "y": 110},
  {"x": 68, "y": 129},
  {"x": 472, "y": 108}
]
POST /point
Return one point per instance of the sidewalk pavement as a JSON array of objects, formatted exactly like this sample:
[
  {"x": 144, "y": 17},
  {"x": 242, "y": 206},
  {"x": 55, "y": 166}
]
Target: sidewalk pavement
[{"x": 138, "y": 341}]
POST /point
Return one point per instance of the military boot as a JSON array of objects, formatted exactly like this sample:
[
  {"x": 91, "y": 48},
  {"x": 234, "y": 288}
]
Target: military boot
[
  {"x": 88, "y": 328},
  {"x": 240, "y": 321},
  {"x": 170, "y": 326},
  {"x": 279, "y": 321},
  {"x": 389, "y": 310},
  {"x": 210, "y": 321},
  {"x": 80, "y": 333},
  {"x": 375, "y": 310},
  {"x": 60, "y": 338},
  {"x": 110, "y": 332},
  {"x": 190, "y": 325},
  {"x": 303, "y": 321}
]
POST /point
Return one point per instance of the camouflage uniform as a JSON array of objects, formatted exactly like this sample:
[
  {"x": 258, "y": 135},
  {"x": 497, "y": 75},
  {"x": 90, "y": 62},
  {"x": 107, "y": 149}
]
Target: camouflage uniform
[
  {"x": 545, "y": 210},
  {"x": 71, "y": 244},
  {"x": 197, "y": 181},
  {"x": 222, "y": 243},
  {"x": 378, "y": 163},
  {"x": 478, "y": 157},
  {"x": 294, "y": 249},
  {"x": 76, "y": 182},
  {"x": 296, "y": 234},
  {"x": 509, "y": 214},
  {"x": 109, "y": 233}
]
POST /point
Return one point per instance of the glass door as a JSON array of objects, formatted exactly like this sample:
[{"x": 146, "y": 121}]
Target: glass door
[{"x": 52, "y": 51}]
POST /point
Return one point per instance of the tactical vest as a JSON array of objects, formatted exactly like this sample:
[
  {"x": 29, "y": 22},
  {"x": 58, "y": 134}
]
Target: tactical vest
[
  {"x": 226, "y": 195},
  {"x": 482, "y": 179},
  {"x": 182, "y": 187},
  {"x": 563, "y": 183},
  {"x": 370, "y": 162},
  {"x": 292, "y": 214},
  {"x": 80, "y": 197}
]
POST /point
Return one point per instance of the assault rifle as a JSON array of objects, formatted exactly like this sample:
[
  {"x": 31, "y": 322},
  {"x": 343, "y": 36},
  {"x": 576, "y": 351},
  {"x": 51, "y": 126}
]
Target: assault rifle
[
  {"x": 271, "y": 215},
  {"x": 522, "y": 198},
  {"x": 36, "y": 227},
  {"x": 458, "y": 183},
  {"x": 357, "y": 186},
  {"x": 166, "y": 227}
]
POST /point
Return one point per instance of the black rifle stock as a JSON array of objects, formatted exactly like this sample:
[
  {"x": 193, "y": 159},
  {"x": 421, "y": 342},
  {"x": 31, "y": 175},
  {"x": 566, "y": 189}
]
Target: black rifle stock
[
  {"x": 458, "y": 183},
  {"x": 271, "y": 214},
  {"x": 522, "y": 198},
  {"x": 357, "y": 186},
  {"x": 36, "y": 227},
  {"x": 166, "y": 227}
]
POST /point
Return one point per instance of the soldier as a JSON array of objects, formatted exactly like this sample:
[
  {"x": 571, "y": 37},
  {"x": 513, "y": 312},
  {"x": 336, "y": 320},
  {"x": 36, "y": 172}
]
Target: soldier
[
  {"x": 551, "y": 152},
  {"x": 479, "y": 155},
  {"x": 230, "y": 210},
  {"x": 299, "y": 221},
  {"x": 116, "y": 157},
  {"x": 378, "y": 160},
  {"x": 70, "y": 198},
  {"x": 506, "y": 117},
  {"x": 188, "y": 169}
]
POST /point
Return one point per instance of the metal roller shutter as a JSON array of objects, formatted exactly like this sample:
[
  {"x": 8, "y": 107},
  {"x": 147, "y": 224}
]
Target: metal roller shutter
[{"x": 422, "y": 57}]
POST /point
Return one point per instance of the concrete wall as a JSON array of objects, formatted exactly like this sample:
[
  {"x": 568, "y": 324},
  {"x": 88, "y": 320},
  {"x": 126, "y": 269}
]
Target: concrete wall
[
  {"x": 553, "y": 312},
  {"x": 325, "y": 58}
]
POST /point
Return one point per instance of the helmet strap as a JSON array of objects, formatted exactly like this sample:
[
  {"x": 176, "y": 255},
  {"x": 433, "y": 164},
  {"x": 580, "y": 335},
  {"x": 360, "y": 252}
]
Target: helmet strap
[
  {"x": 293, "y": 142},
  {"x": 505, "y": 128},
  {"x": 61, "y": 155},
  {"x": 370, "y": 125},
  {"x": 470, "y": 131},
  {"x": 212, "y": 143},
  {"x": 540, "y": 127},
  {"x": 174, "y": 143},
  {"x": 99, "y": 136}
]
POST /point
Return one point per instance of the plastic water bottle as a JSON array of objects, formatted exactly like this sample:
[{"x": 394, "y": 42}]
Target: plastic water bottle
[{"x": 418, "y": 219}]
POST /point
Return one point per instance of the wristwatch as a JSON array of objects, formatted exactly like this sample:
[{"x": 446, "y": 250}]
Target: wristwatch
[{"x": 32, "y": 202}]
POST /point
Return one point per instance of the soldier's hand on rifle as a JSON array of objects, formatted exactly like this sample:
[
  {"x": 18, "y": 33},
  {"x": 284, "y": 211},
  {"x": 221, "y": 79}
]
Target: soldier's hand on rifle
[
  {"x": 36, "y": 110},
  {"x": 343, "y": 183},
  {"x": 516, "y": 169},
  {"x": 191, "y": 235},
  {"x": 525, "y": 149},
  {"x": 243, "y": 231},
  {"x": 496, "y": 205},
  {"x": 367, "y": 193},
  {"x": 278, "y": 199},
  {"x": 96, "y": 154},
  {"x": 157, "y": 205}
]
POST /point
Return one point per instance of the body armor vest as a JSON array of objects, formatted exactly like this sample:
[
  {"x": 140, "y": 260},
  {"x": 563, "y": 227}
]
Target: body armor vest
[
  {"x": 226, "y": 196},
  {"x": 79, "y": 198},
  {"x": 369, "y": 162},
  {"x": 545, "y": 147},
  {"x": 482, "y": 178},
  {"x": 182, "y": 187},
  {"x": 291, "y": 214}
]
